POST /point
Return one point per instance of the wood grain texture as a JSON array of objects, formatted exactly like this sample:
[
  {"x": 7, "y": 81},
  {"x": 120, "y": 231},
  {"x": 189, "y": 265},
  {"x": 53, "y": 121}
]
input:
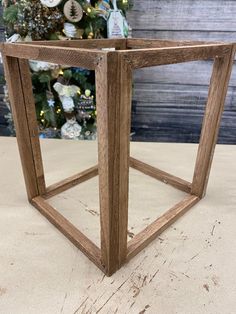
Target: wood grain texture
[
  {"x": 16, "y": 94},
  {"x": 214, "y": 109},
  {"x": 145, "y": 237},
  {"x": 186, "y": 34},
  {"x": 113, "y": 114},
  {"x": 144, "y": 43},
  {"x": 85, "y": 43},
  {"x": 180, "y": 20},
  {"x": 113, "y": 94},
  {"x": 69, "y": 230},
  {"x": 152, "y": 97},
  {"x": 32, "y": 123},
  {"x": 124, "y": 135},
  {"x": 170, "y": 55},
  {"x": 190, "y": 73},
  {"x": 85, "y": 58},
  {"x": 160, "y": 175},
  {"x": 183, "y": 15},
  {"x": 70, "y": 182}
]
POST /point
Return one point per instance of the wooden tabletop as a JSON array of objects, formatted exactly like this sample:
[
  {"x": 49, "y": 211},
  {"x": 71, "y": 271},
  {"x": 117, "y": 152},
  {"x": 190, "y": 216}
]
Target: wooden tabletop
[{"x": 188, "y": 269}]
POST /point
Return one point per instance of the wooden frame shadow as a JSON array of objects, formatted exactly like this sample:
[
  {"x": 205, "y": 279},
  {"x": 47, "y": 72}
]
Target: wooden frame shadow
[{"x": 113, "y": 93}]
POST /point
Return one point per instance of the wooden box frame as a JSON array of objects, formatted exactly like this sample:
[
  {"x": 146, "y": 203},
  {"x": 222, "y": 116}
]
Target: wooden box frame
[{"x": 113, "y": 93}]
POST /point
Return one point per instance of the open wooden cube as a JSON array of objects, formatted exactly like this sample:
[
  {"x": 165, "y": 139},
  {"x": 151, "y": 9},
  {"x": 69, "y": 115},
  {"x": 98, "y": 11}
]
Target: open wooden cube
[{"x": 113, "y": 94}]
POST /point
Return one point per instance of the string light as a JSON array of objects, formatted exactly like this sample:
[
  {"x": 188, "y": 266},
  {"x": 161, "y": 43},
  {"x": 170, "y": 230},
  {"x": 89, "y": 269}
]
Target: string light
[
  {"x": 58, "y": 110},
  {"x": 41, "y": 113},
  {"x": 61, "y": 72},
  {"x": 89, "y": 10}
]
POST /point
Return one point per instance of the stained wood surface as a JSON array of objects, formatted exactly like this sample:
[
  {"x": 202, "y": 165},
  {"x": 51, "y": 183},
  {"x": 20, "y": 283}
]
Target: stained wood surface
[
  {"x": 18, "y": 103},
  {"x": 214, "y": 109},
  {"x": 168, "y": 102},
  {"x": 142, "y": 239},
  {"x": 113, "y": 94},
  {"x": 170, "y": 55},
  {"x": 32, "y": 122},
  {"x": 68, "y": 183},
  {"x": 68, "y": 229},
  {"x": 85, "y": 58},
  {"x": 161, "y": 175}
]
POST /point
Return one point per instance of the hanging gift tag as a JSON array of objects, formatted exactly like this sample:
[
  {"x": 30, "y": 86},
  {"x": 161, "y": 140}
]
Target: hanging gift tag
[{"x": 115, "y": 23}]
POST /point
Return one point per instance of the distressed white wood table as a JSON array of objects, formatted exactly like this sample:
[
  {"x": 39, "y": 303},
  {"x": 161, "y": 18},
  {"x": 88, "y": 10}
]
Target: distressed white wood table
[{"x": 190, "y": 266}]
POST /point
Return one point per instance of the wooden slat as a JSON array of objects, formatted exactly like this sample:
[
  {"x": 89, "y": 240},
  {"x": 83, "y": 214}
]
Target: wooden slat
[
  {"x": 214, "y": 109},
  {"x": 32, "y": 122},
  {"x": 142, "y": 239},
  {"x": 113, "y": 113},
  {"x": 69, "y": 230},
  {"x": 139, "y": 43},
  {"x": 190, "y": 73},
  {"x": 15, "y": 88},
  {"x": 124, "y": 146},
  {"x": 186, "y": 35},
  {"x": 70, "y": 182},
  {"x": 85, "y": 58},
  {"x": 182, "y": 96},
  {"x": 140, "y": 58},
  {"x": 85, "y": 43},
  {"x": 181, "y": 15},
  {"x": 160, "y": 175}
]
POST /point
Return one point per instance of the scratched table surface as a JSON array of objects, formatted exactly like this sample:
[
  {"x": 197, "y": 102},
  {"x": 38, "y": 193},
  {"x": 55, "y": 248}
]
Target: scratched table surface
[{"x": 190, "y": 268}]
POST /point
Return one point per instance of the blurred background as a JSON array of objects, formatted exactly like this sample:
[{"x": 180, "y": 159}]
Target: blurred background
[{"x": 168, "y": 101}]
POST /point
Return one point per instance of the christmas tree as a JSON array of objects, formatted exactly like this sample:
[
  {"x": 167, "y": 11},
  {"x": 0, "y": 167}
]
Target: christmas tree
[{"x": 61, "y": 93}]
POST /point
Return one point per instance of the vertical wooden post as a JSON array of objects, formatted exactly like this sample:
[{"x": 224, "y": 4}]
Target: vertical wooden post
[
  {"x": 113, "y": 96},
  {"x": 32, "y": 123},
  {"x": 14, "y": 83},
  {"x": 211, "y": 123}
]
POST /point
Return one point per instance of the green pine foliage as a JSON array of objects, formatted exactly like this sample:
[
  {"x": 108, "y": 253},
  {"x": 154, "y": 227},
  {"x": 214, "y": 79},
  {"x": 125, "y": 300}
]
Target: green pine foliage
[{"x": 34, "y": 21}]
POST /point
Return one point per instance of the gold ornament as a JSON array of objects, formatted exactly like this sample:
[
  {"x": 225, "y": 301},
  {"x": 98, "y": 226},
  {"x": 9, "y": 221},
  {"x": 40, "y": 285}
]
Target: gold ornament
[{"x": 73, "y": 11}]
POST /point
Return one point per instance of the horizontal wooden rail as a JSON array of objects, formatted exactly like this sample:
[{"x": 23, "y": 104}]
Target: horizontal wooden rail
[
  {"x": 85, "y": 58},
  {"x": 137, "y": 43},
  {"x": 142, "y": 239},
  {"x": 85, "y": 43},
  {"x": 69, "y": 230},
  {"x": 140, "y": 58},
  {"x": 161, "y": 175},
  {"x": 70, "y": 182}
]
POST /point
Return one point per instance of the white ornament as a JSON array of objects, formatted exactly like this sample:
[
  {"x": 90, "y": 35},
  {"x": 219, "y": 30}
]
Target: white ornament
[
  {"x": 67, "y": 103},
  {"x": 14, "y": 38},
  {"x": 70, "y": 30},
  {"x": 71, "y": 129},
  {"x": 66, "y": 92},
  {"x": 37, "y": 66},
  {"x": 50, "y": 3},
  {"x": 73, "y": 11}
]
